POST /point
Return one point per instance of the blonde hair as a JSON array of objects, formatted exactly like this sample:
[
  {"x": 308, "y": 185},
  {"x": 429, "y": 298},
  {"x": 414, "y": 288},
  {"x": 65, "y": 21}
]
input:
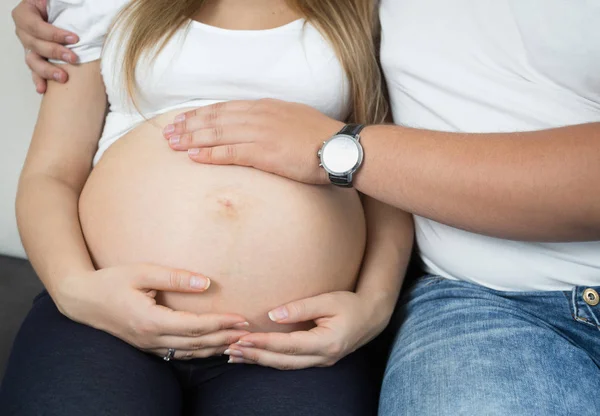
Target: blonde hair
[{"x": 351, "y": 26}]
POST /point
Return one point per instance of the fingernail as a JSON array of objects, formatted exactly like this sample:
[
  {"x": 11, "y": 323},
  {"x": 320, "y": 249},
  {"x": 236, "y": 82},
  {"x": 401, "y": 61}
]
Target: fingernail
[
  {"x": 175, "y": 140},
  {"x": 235, "y": 360},
  {"x": 180, "y": 118},
  {"x": 70, "y": 39},
  {"x": 193, "y": 151},
  {"x": 234, "y": 353},
  {"x": 169, "y": 129},
  {"x": 199, "y": 282},
  {"x": 56, "y": 76},
  {"x": 245, "y": 344},
  {"x": 242, "y": 325},
  {"x": 66, "y": 57},
  {"x": 278, "y": 314}
]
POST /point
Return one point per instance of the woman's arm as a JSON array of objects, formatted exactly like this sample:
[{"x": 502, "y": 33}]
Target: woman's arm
[
  {"x": 345, "y": 320},
  {"x": 57, "y": 165},
  {"x": 389, "y": 247},
  {"x": 119, "y": 300}
]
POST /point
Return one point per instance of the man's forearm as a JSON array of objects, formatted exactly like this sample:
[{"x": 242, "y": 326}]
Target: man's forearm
[{"x": 537, "y": 186}]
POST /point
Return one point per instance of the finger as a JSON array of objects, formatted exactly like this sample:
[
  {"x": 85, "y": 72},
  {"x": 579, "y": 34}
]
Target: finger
[
  {"x": 231, "y": 154},
  {"x": 236, "y": 360},
  {"x": 304, "y": 310},
  {"x": 186, "y": 324},
  {"x": 167, "y": 279},
  {"x": 209, "y": 115},
  {"x": 30, "y": 20},
  {"x": 183, "y": 355},
  {"x": 213, "y": 136},
  {"x": 294, "y": 343},
  {"x": 44, "y": 69},
  {"x": 54, "y": 51},
  {"x": 213, "y": 340},
  {"x": 276, "y": 360},
  {"x": 39, "y": 82},
  {"x": 215, "y": 116},
  {"x": 193, "y": 124}
]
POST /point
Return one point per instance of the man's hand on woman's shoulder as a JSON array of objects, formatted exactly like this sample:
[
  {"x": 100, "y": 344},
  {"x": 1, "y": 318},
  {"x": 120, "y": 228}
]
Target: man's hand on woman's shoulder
[{"x": 42, "y": 41}]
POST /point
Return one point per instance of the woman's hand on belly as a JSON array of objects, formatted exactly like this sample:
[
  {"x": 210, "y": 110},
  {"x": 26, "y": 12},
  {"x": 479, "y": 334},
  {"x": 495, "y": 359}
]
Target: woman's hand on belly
[
  {"x": 121, "y": 301},
  {"x": 345, "y": 322}
]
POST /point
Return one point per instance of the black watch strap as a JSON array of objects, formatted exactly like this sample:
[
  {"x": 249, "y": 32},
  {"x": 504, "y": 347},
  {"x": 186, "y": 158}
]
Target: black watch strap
[
  {"x": 352, "y": 129},
  {"x": 340, "y": 181}
]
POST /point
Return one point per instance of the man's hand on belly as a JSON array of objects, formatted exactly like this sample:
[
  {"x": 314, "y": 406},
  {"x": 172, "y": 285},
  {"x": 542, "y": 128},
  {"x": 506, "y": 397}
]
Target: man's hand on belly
[
  {"x": 121, "y": 301},
  {"x": 271, "y": 135},
  {"x": 345, "y": 322}
]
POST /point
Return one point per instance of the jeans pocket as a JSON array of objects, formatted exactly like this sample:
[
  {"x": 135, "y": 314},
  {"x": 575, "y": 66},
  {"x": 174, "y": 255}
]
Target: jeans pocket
[{"x": 581, "y": 311}]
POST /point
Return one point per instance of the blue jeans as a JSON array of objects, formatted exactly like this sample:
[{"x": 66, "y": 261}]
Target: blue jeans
[{"x": 463, "y": 349}]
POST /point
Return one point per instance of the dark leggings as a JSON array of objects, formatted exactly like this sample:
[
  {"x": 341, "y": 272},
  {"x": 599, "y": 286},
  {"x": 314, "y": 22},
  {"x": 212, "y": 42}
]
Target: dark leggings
[{"x": 60, "y": 367}]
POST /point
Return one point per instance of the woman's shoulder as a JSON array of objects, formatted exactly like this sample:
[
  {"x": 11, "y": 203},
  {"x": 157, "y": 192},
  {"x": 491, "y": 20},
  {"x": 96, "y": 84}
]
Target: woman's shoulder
[{"x": 89, "y": 19}]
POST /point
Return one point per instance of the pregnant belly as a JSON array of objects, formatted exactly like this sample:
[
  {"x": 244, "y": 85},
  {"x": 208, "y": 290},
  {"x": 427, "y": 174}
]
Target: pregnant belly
[{"x": 262, "y": 239}]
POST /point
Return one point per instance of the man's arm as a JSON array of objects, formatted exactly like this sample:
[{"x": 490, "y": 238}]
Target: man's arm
[
  {"x": 541, "y": 186},
  {"x": 537, "y": 186}
]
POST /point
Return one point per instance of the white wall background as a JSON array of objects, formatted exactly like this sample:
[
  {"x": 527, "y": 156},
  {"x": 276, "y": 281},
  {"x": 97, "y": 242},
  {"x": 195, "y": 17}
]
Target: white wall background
[{"x": 18, "y": 111}]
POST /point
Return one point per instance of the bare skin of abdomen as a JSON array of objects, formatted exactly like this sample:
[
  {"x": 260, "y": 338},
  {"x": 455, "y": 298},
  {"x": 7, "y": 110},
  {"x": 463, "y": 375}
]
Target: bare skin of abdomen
[{"x": 263, "y": 240}]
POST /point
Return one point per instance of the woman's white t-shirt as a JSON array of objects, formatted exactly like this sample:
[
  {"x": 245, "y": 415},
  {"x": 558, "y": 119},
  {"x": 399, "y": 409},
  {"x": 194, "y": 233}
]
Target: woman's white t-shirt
[
  {"x": 203, "y": 65},
  {"x": 495, "y": 66}
]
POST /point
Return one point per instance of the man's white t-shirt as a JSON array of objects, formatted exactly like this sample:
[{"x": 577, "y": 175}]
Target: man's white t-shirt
[{"x": 483, "y": 66}]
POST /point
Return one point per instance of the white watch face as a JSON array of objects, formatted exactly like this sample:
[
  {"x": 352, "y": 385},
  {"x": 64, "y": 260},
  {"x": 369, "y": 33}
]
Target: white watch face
[{"x": 340, "y": 154}]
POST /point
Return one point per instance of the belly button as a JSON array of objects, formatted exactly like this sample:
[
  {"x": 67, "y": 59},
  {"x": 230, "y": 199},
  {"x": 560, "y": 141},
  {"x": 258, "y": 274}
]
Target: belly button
[
  {"x": 227, "y": 208},
  {"x": 225, "y": 202}
]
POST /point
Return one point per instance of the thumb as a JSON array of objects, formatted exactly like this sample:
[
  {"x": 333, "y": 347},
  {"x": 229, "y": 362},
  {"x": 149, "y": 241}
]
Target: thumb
[
  {"x": 149, "y": 276},
  {"x": 302, "y": 310}
]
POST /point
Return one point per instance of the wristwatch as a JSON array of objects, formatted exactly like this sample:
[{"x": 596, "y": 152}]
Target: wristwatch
[{"x": 342, "y": 155}]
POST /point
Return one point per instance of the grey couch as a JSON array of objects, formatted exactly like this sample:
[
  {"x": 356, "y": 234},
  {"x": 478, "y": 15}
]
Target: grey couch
[{"x": 18, "y": 286}]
